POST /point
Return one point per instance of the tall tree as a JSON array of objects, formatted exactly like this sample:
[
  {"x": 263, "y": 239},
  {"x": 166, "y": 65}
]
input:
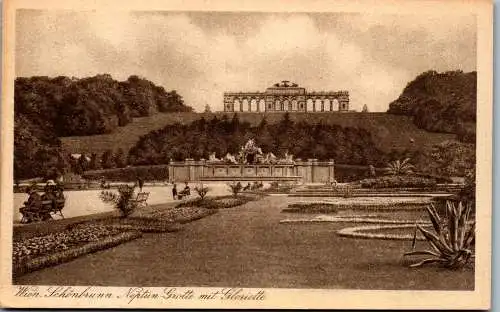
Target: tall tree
[
  {"x": 107, "y": 160},
  {"x": 119, "y": 158}
]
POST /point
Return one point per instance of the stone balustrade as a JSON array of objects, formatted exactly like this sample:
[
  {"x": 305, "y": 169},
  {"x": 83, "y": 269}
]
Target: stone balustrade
[{"x": 310, "y": 171}]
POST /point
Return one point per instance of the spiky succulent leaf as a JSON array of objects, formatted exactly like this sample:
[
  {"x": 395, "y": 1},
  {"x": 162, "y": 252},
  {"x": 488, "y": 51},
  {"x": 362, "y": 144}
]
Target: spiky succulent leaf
[
  {"x": 442, "y": 247},
  {"x": 414, "y": 242},
  {"x": 433, "y": 215},
  {"x": 422, "y": 252},
  {"x": 429, "y": 260},
  {"x": 470, "y": 236}
]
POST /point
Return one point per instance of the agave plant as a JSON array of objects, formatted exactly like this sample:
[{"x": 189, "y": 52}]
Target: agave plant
[
  {"x": 453, "y": 241},
  {"x": 398, "y": 167},
  {"x": 123, "y": 201}
]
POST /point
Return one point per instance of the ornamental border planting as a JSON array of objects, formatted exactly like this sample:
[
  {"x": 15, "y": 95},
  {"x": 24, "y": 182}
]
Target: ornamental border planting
[{"x": 56, "y": 258}]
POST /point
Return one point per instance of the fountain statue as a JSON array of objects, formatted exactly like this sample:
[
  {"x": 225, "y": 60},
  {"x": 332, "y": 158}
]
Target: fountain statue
[{"x": 250, "y": 153}]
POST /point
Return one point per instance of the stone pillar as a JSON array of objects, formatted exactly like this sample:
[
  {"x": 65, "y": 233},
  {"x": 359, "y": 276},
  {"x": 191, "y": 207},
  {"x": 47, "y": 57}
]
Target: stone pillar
[
  {"x": 314, "y": 163},
  {"x": 190, "y": 166},
  {"x": 297, "y": 167},
  {"x": 202, "y": 168},
  {"x": 171, "y": 173},
  {"x": 314, "y": 105},
  {"x": 309, "y": 171},
  {"x": 331, "y": 170}
]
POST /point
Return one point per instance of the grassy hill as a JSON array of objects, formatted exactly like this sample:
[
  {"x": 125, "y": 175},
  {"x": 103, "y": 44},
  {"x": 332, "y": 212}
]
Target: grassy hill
[
  {"x": 389, "y": 131},
  {"x": 441, "y": 102}
]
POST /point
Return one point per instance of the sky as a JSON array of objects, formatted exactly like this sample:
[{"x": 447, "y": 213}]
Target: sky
[{"x": 203, "y": 54}]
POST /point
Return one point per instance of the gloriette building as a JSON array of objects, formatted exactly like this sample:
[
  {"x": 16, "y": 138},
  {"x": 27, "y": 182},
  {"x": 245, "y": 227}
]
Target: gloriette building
[{"x": 288, "y": 97}]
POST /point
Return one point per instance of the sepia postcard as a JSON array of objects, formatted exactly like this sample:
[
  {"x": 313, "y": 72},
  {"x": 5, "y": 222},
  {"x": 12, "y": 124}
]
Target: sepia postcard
[{"x": 246, "y": 154}]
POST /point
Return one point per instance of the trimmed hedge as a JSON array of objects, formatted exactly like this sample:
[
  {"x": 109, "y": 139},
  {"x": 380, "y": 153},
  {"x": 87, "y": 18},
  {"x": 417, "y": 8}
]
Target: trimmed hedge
[
  {"x": 130, "y": 174},
  {"x": 399, "y": 181}
]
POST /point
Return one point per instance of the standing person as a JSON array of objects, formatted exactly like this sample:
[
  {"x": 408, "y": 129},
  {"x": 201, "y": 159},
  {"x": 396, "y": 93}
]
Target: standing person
[
  {"x": 174, "y": 191},
  {"x": 140, "y": 182},
  {"x": 187, "y": 190}
]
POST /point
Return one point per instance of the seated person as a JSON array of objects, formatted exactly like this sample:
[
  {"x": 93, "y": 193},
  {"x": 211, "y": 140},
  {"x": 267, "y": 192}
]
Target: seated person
[
  {"x": 59, "y": 194},
  {"x": 186, "y": 190},
  {"x": 103, "y": 182},
  {"x": 50, "y": 194},
  {"x": 34, "y": 199},
  {"x": 247, "y": 187},
  {"x": 32, "y": 206}
]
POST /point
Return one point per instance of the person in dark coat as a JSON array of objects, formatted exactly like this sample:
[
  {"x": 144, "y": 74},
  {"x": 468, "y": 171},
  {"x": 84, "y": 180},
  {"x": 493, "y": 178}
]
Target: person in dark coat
[
  {"x": 174, "y": 191},
  {"x": 140, "y": 181},
  {"x": 34, "y": 199},
  {"x": 187, "y": 190},
  {"x": 32, "y": 206}
]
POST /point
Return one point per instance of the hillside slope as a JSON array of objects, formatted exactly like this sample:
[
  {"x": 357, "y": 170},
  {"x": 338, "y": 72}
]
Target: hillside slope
[
  {"x": 441, "y": 102},
  {"x": 388, "y": 131}
]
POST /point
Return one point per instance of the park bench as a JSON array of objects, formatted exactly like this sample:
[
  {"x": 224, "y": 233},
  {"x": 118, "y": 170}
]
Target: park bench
[
  {"x": 45, "y": 211},
  {"x": 184, "y": 193},
  {"x": 141, "y": 199}
]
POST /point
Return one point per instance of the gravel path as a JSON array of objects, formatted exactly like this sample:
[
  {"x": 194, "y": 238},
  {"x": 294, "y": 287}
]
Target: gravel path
[{"x": 247, "y": 247}]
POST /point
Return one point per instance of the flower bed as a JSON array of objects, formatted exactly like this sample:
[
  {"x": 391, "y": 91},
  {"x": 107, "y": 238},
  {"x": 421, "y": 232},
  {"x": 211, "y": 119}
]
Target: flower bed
[
  {"x": 178, "y": 214},
  {"x": 329, "y": 207},
  {"x": 43, "y": 251},
  {"x": 311, "y": 208},
  {"x": 353, "y": 219},
  {"x": 362, "y": 232},
  {"x": 398, "y": 181},
  {"x": 221, "y": 202},
  {"x": 143, "y": 224}
]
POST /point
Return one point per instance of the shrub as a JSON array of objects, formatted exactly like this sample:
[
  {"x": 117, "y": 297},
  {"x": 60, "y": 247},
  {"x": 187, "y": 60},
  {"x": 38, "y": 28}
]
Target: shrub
[
  {"x": 398, "y": 181},
  {"x": 468, "y": 192},
  {"x": 347, "y": 191},
  {"x": 275, "y": 186},
  {"x": 122, "y": 201},
  {"x": 350, "y": 173},
  {"x": 202, "y": 190},
  {"x": 235, "y": 188},
  {"x": 398, "y": 167},
  {"x": 453, "y": 241}
]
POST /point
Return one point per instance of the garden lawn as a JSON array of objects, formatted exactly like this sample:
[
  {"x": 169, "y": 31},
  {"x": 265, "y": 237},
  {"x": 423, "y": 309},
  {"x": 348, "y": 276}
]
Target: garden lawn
[{"x": 247, "y": 247}]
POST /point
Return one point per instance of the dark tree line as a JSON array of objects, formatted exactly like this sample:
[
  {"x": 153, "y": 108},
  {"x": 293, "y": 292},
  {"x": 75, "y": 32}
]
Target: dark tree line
[
  {"x": 88, "y": 106},
  {"x": 48, "y": 108},
  {"x": 441, "y": 102},
  {"x": 303, "y": 140},
  {"x": 107, "y": 160}
]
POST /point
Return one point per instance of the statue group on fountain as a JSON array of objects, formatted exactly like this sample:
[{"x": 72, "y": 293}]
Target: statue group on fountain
[{"x": 250, "y": 153}]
